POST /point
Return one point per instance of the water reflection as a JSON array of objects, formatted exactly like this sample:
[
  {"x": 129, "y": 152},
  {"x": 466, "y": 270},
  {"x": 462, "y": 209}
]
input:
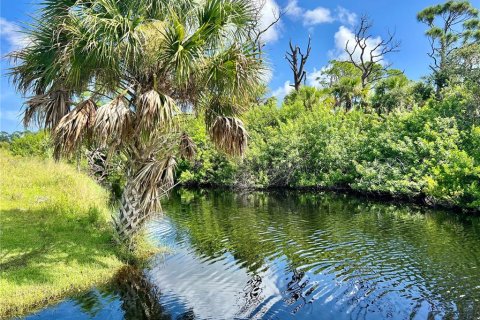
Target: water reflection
[
  {"x": 306, "y": 256},
  {"x": 129, "y": 296}
]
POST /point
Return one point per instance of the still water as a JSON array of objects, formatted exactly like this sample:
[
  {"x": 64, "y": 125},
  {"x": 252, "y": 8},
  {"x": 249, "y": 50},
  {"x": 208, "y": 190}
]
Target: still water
[{"x": 295, "y": 255}]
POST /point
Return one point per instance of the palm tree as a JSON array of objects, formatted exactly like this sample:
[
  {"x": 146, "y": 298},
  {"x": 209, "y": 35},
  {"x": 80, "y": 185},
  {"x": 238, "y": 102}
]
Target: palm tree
[
  {"x": 343, "y": 81},
  {"x": 144, "y": 67}
]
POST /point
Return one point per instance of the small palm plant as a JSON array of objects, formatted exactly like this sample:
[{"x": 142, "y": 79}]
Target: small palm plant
[{"x": 146, "y": 65}]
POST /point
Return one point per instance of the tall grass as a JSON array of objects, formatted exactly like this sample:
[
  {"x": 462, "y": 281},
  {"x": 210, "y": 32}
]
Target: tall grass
[{"x": 55, "y": 236}]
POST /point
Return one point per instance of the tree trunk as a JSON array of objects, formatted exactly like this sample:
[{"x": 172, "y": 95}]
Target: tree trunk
[
  {"x": 348, "y": 104},
  {"x": 97, "y": 162},
  {"x": 131, "y": 217}
]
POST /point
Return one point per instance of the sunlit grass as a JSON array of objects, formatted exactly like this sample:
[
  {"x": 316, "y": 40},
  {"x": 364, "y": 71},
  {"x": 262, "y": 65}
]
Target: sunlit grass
[{"x": 55, "y": 236}]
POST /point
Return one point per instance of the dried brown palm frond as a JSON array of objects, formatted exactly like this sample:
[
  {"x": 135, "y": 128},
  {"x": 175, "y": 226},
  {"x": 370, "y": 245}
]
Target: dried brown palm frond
[
  {"x": 153, "y": 180},
  {"x": 113, "y": 122},
  {"x": 73, "y": 128},
  {"x": 229, "y": 135},
  {"x": 188, "y": 149},
  {"x": 46, "y": 110},
  {"x": 220, "y": 106},
  {"x": 155, "y": 109}
]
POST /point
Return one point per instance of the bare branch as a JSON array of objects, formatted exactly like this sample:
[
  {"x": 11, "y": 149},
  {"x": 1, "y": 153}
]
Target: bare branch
[
  {"x": 369, "y": 58},
  {"x": 298, "y": 65},
  {"x": 257, "y": 32}
]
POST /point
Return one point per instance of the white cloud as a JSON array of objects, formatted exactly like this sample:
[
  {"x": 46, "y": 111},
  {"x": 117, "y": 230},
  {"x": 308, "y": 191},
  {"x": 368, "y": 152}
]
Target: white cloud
[
  {"x": 293, "y": 10},
  {"x": 345, "y": 16},
  {"x": 169, "y": 276},
  {"x": 282, "y": 91},
  {"x": 268, "y": 14},
  {"x": 343, "y": 36},
  {"x": 320, "y": 15},
  {"x": 317, "y": 16},
  {"x": 11, "y": 34},
  {"x": 313, "y": 76},
  {"x": 267, "y": 75}
]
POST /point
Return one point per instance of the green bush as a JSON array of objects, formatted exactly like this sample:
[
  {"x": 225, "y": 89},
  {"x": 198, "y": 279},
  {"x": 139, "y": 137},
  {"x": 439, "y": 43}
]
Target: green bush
[
  {"x": 209, "y": 166},
  {"x": 31, "y": 144},
  {"x": 431, "y": 150}
]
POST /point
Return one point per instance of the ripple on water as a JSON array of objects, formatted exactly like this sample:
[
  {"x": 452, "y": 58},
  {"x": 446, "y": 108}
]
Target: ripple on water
[
  {"x": 310, "y": 256},
  {"x": 283, "y": 258}
]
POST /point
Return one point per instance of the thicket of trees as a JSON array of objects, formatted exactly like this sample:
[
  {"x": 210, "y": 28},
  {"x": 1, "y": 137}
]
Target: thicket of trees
[
  {"x": 368, "y": 127},
  {"x": 431, "y": 151}
]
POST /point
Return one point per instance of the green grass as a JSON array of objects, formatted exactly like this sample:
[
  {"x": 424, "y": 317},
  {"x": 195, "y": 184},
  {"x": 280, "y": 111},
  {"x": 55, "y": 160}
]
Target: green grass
[{"x": 55, "y": 236}]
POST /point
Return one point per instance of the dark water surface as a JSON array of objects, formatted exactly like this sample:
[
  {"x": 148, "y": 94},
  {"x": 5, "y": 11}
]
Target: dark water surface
[{"x": 295, "y": 255}]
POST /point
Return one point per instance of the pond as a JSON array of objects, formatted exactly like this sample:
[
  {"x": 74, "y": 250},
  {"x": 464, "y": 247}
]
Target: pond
[{"x": 284, "y": 255}]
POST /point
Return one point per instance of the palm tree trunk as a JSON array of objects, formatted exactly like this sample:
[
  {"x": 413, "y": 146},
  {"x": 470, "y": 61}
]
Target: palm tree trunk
[{"x": 131, "y": 216}]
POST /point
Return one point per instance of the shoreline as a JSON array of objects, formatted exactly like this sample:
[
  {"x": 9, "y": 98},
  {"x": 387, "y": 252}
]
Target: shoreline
[{"x": 383, "y": 197}]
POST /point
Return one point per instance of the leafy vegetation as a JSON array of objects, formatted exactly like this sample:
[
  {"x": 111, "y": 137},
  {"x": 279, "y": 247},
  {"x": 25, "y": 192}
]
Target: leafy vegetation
[
  {"x": 452, "y": 25},
  {"x": 427, "y": 151},
  {"x": 31, "y": 144},
  {"x": 27, "y": 143},
  {"x": 367, "y": 127}
]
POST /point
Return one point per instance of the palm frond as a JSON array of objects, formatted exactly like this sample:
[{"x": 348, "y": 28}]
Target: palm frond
[
  {"x": 37, "y": 66},
  {"x": 68, "y": 135},
  {"x": 151, "y": 40},
  {"x": 220, "y": 106},
  {"x": 113, "y": 122},
  {"x": 153, "y": 180},
  {"x": 229, "y": 135},
  {"x": 223, "y": 22},
  {"x": 233, "y": 73},
  {"x": 180, "y": 50},
  {"x": 154, "y": 110},
  {"x": 187, "y": 147},
  {"x": 46, "y": 110},
  {"x": 53, "y": 9}
]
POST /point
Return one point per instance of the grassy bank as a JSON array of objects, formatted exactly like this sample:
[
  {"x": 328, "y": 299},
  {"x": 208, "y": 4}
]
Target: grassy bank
[{"x": 55, "y": 238}]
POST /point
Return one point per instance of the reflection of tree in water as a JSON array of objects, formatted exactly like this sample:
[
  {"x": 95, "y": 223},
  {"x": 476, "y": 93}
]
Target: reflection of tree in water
[
  {"x": 295, "y": 290},
  {"x": 90, "y": 302},
  {"x": 252, "y": 295},
  {"x": 139, "y": 298},
  {"x": 369, "y": 240}
]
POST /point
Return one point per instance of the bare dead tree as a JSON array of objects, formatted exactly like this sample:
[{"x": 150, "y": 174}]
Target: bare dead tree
[
  {"x": 368, "y": 58},
  {"x": 256, "y": 30},
  {"x": 297, "y": 61}
]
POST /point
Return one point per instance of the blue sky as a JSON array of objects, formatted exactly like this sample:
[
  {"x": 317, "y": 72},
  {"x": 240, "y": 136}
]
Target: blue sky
[{"x": 328, "y": 22}]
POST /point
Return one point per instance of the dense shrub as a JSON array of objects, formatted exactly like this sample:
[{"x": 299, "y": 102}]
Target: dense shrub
[
  {"x": 431, "y": 150},
  {"x": 210, "y": 167},
  {"x": 31, "y": 144}
]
